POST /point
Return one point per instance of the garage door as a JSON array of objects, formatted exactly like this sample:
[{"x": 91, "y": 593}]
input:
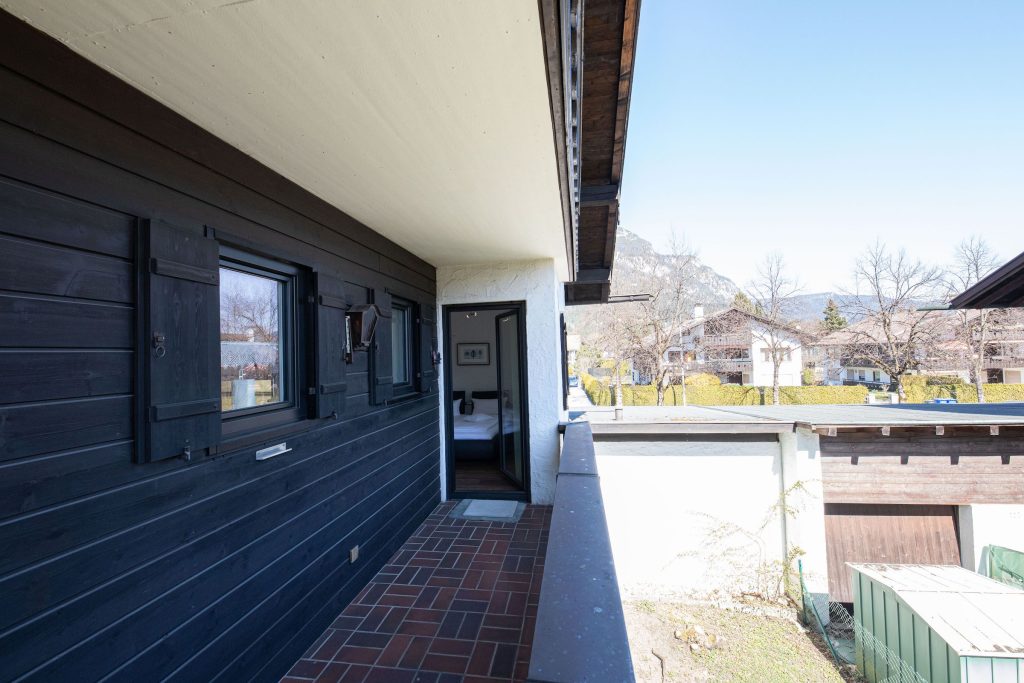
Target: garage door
[{"x": 896, "y": 534}]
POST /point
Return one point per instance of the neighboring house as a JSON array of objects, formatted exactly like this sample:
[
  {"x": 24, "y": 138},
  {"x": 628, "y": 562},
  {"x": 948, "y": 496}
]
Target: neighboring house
[
  {"x": 736, "y": 346},
  {"x": 842, "y": 357},
  {"x": 418, "y": 188},
  {"x": 1002, "y": 289},
  {"x": 572, "y": 349}
]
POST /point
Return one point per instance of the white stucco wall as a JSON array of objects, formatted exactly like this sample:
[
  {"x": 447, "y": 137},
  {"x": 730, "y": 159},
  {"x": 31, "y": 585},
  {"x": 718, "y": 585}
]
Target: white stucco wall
[
  {"x": 690, "y": 517},
  {"x": 985, "y": 525},
  {"x": 789, "y": 370},
  {"x": 805, "y": 527},
  {"x": 694, "y": 517},
  {"x": 538, "y": 284}
]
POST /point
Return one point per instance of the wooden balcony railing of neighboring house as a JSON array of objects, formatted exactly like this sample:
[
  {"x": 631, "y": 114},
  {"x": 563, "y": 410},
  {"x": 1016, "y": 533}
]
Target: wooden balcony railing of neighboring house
[
  {"x": 999, "y": 362},
  {"x": 1008, "y": 335},
  {"x": 719, "y": 365},
  {"x": 580, "y": 633},
  {"x": 738, "y": 339}
]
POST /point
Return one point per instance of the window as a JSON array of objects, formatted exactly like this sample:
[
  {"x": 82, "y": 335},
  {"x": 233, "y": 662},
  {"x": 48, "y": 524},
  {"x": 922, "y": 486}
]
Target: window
[
  {"x": 402, "y": 345},
  {"x": 259, "y": 330},
  {"x": 784, "y": 354}
]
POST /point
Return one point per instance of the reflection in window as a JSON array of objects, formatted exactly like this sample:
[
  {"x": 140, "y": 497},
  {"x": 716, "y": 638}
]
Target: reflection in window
[
  {"x": 401, "y": 343},
  {"x": 251, "y": 320}
]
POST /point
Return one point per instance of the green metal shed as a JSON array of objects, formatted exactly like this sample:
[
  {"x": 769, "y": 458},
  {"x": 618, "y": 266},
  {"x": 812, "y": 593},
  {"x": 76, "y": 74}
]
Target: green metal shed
[{"x": 936, "y": 624}]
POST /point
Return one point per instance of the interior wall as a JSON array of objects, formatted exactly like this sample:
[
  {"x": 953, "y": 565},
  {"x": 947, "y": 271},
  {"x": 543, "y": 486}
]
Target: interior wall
[{"x": 478, "y": 329}]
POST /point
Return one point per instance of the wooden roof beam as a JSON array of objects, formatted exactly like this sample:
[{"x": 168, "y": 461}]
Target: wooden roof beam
[{"x": 599, "y": 195}]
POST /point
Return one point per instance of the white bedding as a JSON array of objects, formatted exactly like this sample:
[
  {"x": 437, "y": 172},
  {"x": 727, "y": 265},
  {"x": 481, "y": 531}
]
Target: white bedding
[{"x": 479, "y": 426}]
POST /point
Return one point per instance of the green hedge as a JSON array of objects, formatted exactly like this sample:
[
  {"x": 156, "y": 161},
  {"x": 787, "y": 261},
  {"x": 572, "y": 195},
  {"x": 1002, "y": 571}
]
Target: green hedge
[
  {"x": 722, "y": 395},
  {"x": 922, "y": 392},
  {"x": 819, "y": 395},
  {"x": 1002, "y": 393},
  {"x": 919, "y": 390}
]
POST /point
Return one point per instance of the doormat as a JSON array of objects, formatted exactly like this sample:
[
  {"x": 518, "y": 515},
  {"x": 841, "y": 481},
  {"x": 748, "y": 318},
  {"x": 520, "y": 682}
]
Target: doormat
[{"x": 489, "y": 510}]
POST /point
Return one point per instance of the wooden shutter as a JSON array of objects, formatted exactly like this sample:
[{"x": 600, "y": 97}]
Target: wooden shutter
[
  {"x": 331, "y": 386},
  {"x": 382, "y": 380},
  {"x": 427, "y": 376},
  {"x": 179, "y": 349}
]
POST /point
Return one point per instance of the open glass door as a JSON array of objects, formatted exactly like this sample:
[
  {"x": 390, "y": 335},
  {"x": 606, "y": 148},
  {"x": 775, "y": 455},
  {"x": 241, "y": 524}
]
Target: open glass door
[{"x": 510, "y": 394}]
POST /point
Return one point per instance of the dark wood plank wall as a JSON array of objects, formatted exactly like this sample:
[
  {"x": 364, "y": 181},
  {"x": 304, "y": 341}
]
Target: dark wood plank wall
[
  {"x": 222, "y": 569},
  {"x": 914, "y": 466}
]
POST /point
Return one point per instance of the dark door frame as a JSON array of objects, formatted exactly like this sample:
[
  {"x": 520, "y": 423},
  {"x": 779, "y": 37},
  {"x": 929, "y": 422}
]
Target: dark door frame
[{"x": 446, "y": 406}]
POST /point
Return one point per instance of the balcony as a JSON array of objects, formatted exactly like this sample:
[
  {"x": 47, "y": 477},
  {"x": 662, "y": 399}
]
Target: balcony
[
  {"x": 1002, "y": 362},
  {"x": 721, "y": 365},
  {"x": 726, "y": 340}
]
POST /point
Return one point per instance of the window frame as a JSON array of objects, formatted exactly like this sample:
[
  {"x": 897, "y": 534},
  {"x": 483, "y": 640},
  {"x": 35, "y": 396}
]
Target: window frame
[
  {"x": 408, "y": 309},
  {"x": 294, "y": 339}
]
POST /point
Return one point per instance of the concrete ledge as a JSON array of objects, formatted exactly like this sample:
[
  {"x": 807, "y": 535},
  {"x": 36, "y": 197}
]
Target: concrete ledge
[
  {"x": 581, "y": 632},
  {"x": 577, "y": 455},
  {"x": 683, "y": 428}
]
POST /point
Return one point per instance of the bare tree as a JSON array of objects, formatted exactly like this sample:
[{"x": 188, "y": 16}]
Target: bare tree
[
  {"x": 249, "y": 306},
  {"x": 616, "y": 341},
  {"x": 889, "y": 289},
  {"x": 770, "y": 292},
  {"x": 657, "y": 325},
  {"x": 972, "y": 261}
]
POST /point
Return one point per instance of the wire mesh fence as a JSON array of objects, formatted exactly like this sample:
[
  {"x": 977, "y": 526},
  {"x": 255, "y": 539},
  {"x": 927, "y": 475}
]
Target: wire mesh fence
[{"x": 849, "y": 643}]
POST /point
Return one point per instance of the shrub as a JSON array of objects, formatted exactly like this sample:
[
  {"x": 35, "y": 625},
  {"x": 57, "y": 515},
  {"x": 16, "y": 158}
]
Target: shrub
[
  {"x": 722, "y": 395},
  {"x": 938, "y": 380},
  {"x": 818, "y": 395},
  {"x": 1001, "y": 393},
  {"x": 702, "y": 379}
]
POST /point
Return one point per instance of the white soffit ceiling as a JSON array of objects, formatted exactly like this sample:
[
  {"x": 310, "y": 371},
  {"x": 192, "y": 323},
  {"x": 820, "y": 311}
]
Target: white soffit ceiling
[{"x": 427, "y": 120}]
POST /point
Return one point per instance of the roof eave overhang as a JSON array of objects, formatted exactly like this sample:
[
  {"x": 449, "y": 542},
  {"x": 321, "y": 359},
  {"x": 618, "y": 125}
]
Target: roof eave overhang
[
  {"x": 594, "y": 116},
  {"x": 1004, "y": 288}
]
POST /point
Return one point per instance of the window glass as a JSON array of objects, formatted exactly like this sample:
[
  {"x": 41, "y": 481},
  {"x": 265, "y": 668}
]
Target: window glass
[
  {"x": 251, "y": 345},
  {"x": 401, "y": 343}
]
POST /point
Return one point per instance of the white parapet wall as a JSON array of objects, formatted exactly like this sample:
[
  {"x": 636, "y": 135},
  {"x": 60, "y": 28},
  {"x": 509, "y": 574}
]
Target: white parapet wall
[
  {"x": 982, "y": 526},
  {"x": 537, "y": 283},
  {"x": 700, "y": 515}
]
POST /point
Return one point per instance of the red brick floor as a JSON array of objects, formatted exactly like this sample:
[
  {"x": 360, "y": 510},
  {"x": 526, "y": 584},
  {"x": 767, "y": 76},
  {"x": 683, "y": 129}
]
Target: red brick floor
[{"x": 457, "y": 602}]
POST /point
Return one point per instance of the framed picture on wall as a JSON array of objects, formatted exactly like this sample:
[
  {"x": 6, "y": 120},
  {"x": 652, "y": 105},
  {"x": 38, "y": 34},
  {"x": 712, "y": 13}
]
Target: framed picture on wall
[{"x": 476, "y": 353}]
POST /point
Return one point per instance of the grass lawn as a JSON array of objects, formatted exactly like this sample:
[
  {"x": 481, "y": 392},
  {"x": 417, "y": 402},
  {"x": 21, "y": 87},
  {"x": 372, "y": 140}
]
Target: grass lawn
[{"x": 747, "y": 646}]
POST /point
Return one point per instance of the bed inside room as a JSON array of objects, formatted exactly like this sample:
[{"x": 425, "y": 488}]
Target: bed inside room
[{"x": 485, "y": 448}]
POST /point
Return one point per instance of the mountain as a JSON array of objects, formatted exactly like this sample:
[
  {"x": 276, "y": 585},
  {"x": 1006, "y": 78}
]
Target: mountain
[
  {"x": 811, "y": 306},
  {"x": 633, "y": 257}
]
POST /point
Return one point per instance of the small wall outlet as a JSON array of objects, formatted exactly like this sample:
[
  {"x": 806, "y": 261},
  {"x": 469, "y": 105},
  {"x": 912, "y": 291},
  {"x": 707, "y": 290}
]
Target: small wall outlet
[{"x": 353, "y": 554}]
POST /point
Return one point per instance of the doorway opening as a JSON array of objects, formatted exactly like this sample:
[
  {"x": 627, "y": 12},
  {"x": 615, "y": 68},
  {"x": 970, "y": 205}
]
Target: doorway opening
[{"x": 487, "y": 452}]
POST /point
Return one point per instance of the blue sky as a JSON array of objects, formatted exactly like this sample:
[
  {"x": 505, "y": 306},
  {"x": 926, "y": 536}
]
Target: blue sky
[{"x": 815, "y": 127}]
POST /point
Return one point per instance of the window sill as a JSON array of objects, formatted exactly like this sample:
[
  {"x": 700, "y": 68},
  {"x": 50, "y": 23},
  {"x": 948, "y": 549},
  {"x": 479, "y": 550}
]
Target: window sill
[{"x": 258, "y": 437}]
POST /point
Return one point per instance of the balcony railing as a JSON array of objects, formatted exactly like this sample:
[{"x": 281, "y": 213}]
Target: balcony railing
[
  {"x": 739, "y": 339},
  {"x": 1007, "y": 335},
  {"x": 581, "y": 631},
  {"x": 1004, "y": 362},
  {"x": 719, "y": 365}
]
